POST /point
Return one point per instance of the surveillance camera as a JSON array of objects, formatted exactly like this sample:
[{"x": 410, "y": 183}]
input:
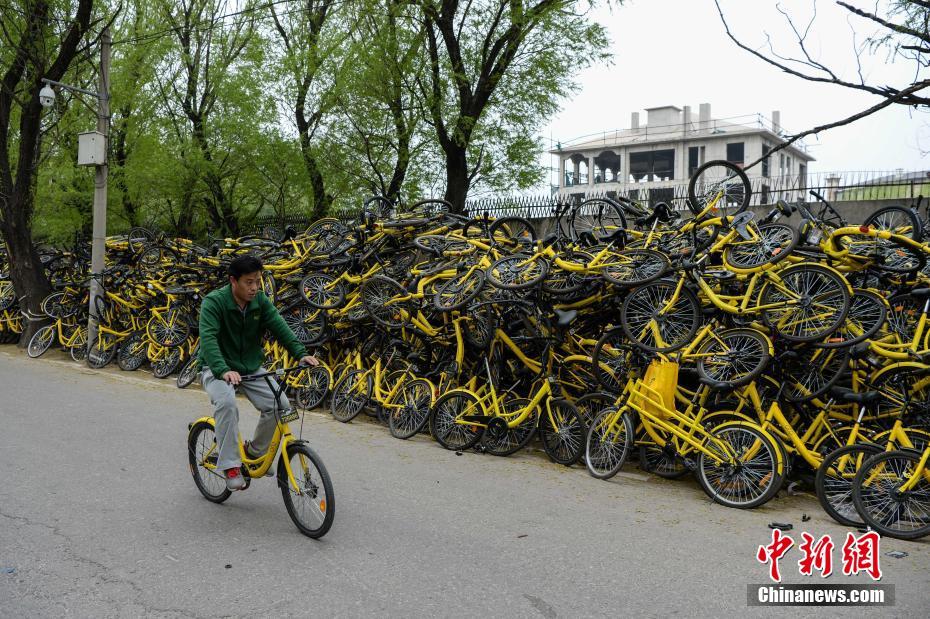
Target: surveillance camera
[{"x": 47, "y": 96}]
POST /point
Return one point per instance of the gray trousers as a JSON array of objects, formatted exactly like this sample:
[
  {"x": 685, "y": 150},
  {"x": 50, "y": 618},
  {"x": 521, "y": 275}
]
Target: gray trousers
[{"x": 226, "y": 415}]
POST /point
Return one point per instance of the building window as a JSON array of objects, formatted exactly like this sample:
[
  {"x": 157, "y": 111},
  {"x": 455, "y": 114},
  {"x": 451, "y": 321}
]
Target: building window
[
  {"x": 802, "y": 177},
  {"x": 735, "y": 153},
  {"x": 653, "y": 165},
  {"x": 765, "y": 194},
  {"x": 694, "y": 159},
  {"x": 765, "y": 162}
]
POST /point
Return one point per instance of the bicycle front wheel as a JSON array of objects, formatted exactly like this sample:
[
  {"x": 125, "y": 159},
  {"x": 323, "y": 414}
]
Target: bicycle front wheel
[
  {"x": 562, "y": 432},
  {"x": 309, "y": 496},
  {"x": 882, "y": 504},
  {"x": 747, "y": 473},
  {"x": 808, "y": 303},
  {"x": 608, "y": 445}
]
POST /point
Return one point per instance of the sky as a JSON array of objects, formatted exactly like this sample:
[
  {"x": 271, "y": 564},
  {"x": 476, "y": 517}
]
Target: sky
[{"x": 676, "y": 52}]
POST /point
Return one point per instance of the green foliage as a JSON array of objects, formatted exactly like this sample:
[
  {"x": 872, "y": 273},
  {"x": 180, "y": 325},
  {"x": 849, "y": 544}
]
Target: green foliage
[{"x": 205, "y": 134}]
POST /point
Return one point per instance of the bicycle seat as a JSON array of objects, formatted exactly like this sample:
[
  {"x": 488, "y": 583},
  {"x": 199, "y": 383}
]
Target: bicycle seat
[
  {"x": 859, "y": 350},
  {"x": 720, "y": 275},
  {"x": 549, "y": 239},
  {"x": 741, "y": 219},
  {"x": 920, "y": 293},
  {"x": 848, "y": 395},
  {"x": 565, "y": 317}
]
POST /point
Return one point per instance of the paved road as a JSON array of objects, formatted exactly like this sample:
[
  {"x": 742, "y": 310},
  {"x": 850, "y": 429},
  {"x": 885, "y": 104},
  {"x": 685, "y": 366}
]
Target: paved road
[{"x": 99, "y": 517}]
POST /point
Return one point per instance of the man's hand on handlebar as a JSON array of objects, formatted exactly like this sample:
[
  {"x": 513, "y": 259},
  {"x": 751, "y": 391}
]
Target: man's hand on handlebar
[
  {"x": 309, "y": 360},
  {"x": 231, "y": 377}
]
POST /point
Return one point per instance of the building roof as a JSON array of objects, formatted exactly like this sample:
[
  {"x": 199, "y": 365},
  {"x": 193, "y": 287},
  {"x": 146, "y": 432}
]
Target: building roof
[{"x": 696, "y": 130}]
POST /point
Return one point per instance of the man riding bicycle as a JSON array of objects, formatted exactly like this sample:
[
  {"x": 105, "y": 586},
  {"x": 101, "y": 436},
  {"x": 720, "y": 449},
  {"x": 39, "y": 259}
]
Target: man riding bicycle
[{"x": 233, "y": 320}]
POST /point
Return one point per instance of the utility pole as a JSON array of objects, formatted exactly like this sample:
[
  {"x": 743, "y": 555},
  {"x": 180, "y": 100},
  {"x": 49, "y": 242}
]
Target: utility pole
[{"x": 99, "y": 239}]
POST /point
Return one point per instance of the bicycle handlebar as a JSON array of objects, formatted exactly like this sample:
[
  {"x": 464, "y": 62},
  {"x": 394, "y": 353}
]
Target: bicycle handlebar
[{"x": 278, "y": 373}]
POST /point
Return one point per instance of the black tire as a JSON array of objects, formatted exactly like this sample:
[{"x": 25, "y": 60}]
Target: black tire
[
  {"x": 823, "y": 315},
  {"x": 516, "y": 230},
  {"x": 564, "y": 282},
  {"x": 775, "y": 243},
  {"x": 351, "y": 395},
  {"x": 314, "y": 509},
  {"x": 834, "y": 486},
  {"x": 611, "y": 359},
  {"x": 562, "y": 432},
  {"x": 866, "y": 315},
  {"x": 172, "y": 335},
  {"x": 307, "y": 323},
  {"x": 459, "y": 291},
  {"x": 378, "y": 298},
  {"x": 734, "y": 357},
  {"x": 442, "y": 420},
  {"x": 504, "y": 442},
  {"x": 714, "y": 177},
  {"x": 202, "y": 449},
  {"x": 662, "y": 461},
  {"x": 635, "y": 267},
  {"x": 417, "y": 395},
  {"x": 680, "y": 323},
  {"x": 190, "y": 372},
  {"x": 591, "y": 405},
  {"x": 813, "y": 372},
  {"x": 103, "y": 350},
  {"x": 755, "y": 481},
  {"x": 606, "y": 448},
  {"x": 310, "y": 395},
  {"x": 602, "y": 217},
  {"x": 166, "y": 366},
  {"x": 138, "y": 238},
  {"x": 79, "y": 345},
  {"x": 132, "y": 352},
  {"x": 897, "y": 219},
  {"x": 515, "y": 273},
  {"x": 41, "y": 341},
  {"x": 882, "y": 506}
]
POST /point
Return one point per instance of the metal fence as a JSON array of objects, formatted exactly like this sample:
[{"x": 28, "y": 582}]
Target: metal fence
[{"x": 834, "y": 186}]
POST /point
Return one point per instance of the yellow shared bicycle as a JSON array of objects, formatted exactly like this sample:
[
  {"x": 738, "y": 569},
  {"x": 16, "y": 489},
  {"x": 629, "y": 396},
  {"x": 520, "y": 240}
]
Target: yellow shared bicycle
[{"x": 304, "y": 481}]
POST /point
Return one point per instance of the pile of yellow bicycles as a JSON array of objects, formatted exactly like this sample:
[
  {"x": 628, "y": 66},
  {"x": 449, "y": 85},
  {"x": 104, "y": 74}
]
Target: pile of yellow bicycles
[{"x": 750, "y": 350}]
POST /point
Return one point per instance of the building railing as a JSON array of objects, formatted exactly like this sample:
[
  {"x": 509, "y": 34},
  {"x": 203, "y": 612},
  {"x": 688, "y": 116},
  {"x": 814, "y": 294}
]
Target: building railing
[{"x": 834, "y": 186}]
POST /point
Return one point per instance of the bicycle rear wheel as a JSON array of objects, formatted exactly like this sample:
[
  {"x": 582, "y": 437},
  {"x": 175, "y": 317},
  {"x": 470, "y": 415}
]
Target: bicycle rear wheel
[
  {"x": 722, "y": 183},
  {"x": 41, "y": 341},
  {"x": 350, "y": 395},
  {"x": 408, "y": 413},
  {"x": 834, "y": 482},
  {"x": 653, "y": 322},
  {"x": 202, "y": 455},
  {"x": 444, "y": 419},
  {"x": 562, "y": 432},
  {"x": 312, "y": 503}
]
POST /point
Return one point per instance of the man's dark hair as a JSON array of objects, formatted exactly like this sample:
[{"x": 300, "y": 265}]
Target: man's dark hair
[{"x": 243, "y": 265}]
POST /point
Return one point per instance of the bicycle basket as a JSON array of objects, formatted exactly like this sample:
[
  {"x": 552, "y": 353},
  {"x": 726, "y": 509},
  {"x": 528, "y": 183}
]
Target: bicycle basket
[{"x": 655, "y": 392}]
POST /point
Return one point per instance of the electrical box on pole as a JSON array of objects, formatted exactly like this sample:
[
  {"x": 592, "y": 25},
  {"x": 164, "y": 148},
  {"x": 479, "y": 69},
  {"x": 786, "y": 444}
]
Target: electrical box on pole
[{"x": 92, "y": 148}]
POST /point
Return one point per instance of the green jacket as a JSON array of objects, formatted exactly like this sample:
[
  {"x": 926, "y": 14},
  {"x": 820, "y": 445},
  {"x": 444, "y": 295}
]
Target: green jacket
[{"x": 231, "y": 340}]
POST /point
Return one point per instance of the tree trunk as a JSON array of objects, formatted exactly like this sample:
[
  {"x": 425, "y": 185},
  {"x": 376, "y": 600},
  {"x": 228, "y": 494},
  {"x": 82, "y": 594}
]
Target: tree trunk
[
  {"x": 457, "y": 181},
  {"x": 26, "y": 271}
]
